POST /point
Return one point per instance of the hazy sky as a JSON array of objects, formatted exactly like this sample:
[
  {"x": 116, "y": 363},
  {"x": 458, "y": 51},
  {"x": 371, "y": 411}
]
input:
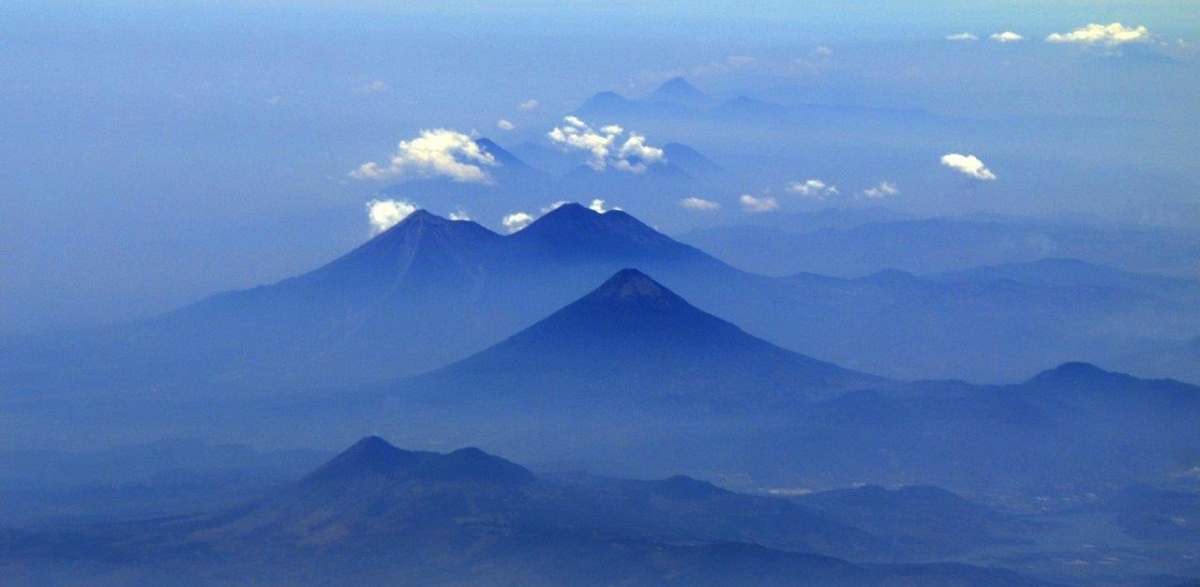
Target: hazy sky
[{"x": 152, "y": 153}]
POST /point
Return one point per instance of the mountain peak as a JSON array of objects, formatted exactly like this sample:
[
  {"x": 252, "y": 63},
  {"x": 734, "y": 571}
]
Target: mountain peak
[
  {"x": 631, "y": 284},
  {"x": 472, "y": 465},
  {"x": 573, "y": 231},
  {"x": 368, "y": 457},
  {"x": 680, "y": 92},
  {"x": 678, "y": 87}
]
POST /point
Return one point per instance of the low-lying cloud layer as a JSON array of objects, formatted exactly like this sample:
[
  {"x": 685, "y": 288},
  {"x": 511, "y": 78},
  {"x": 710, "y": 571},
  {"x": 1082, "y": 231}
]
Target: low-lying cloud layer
[
  {"x": 384, "y": 214},
  {"x": 968, "y": 165},
  {"x": 608, "y": 146},
  {"x": 435, "y": 153}
]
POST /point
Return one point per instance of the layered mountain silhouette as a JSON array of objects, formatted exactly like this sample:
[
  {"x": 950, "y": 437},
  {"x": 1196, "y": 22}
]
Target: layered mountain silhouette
[
  {"x": 378, "y": 515},
  {"x": 633, "y": 342}
]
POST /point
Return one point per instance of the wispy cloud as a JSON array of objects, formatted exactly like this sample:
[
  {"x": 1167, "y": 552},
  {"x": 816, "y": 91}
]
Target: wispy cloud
[
  {"x": 435, "y": 153},
  {"x": 962, "y": 37},
  {"x": 373, "y": 87},
  {"x": 527, "y": 105},
  {"x": 505, "y": 125},
  {"x": 884, "y": 189},
  {"x": 968, "y": 165},
  {"x": 813, "y": 189},
  {"x": 608, "y": 146},
  {"x": 758, "y": 205},
  {"x": 699, "y": 204},
  {"x": 384, "y": 214},
  {"x": 516, "y": 221},
  {"x": 1108, "y": 35},
  {"x": 1006, "y": 37}
]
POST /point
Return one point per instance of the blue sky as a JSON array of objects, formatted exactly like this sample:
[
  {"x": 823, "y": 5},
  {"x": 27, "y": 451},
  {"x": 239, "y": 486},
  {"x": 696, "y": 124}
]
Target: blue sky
[{"x": 155, "y": 153}]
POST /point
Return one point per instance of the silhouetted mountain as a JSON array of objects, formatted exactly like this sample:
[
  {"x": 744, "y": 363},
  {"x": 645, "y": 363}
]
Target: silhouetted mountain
[
  {"x": 634, "y": 343},
  {"x": 678, "y": 90},
  {"x": 480, "y": 521},
  {"x": 577, "y": 234}
]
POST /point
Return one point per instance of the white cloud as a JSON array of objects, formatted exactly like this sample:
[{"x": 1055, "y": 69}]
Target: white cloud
[
  {"x": 699, "y": 204},
  {"x": 1006, "y": 37},
  {"x": 554, "y": 206},
  {"x": 384, "y": 214},
  {"x": 812, "y": 188},
  {"x": 822, "y": 51},
  {"x": 516, "y": 221},
  {"x": 756, "y": 205},
  {"x": 503, "y": 124},
  {"x": 459, "y": 214},
  {"x": 1109, "y": 35},
  {"x": 962, "y": 37},
  {"x": 968, "y": 165},
  {"x": 373, "y": 87},
  {"x": 527, "y": 105},
  {"x": 632, "y": 155},
  {"x": 435, "y": 153},
  {"x": 883, "y": 190},
  {"x": 273, "y": 100},
  {"x": 597, "y": 205}
]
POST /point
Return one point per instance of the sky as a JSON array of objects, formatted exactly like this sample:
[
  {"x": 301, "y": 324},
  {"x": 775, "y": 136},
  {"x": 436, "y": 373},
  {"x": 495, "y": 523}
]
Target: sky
[{"x": 155, "y": 153}]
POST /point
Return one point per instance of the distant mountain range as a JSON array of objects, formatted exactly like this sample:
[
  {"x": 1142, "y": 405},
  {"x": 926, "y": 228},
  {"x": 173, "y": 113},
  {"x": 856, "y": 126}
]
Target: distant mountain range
[
  {"x": 378, "y": 515},
  {"x": 430, "y": 291},
  {"x": 678, "y": 99}
]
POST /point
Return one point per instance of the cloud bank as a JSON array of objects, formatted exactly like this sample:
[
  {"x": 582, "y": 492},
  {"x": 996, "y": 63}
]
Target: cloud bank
[
  {"x": 968, "y": 165},
  {"x": 384, "y": 214},
  {"x": 608, "y": 146},
  {"x": 435, "y": 153},
  {"x": 1108, "y": 35}
]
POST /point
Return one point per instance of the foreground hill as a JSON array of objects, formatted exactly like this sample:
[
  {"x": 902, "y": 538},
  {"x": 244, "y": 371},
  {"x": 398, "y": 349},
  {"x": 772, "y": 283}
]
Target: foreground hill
[{"x": 377, "y": 515}]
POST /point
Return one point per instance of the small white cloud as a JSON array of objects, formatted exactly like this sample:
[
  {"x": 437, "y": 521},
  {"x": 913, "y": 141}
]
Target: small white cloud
[
  {"x": 554, "y": 206},
  {"x": 699, "y": 205},
  {"x": 962, "y": 37},
  {"x": 384, "y": 214},
  {"x": 273, "y": 100},
  {"x": 813, "y": 189},
  {"x": 503, "y": 124},
  {"x": 757, "y": 205},
  {"x": 435, "y": 153},
  {"x": 516, "y": 221},
  {"x": 374, "y": 87},
  {"x": 459, "y": 214},
  {"x": 527, "y": 105},
  {"x": 883, "y": 190},
  {"x": 822, "y": 51},
  {"x": 968, "y": 165},
  {"x": 1108, "y": 35},
  {"x": 1006, "y": 37},
  {"x": 597, "y": 205},
  {"x": 632, "y": 155}
]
